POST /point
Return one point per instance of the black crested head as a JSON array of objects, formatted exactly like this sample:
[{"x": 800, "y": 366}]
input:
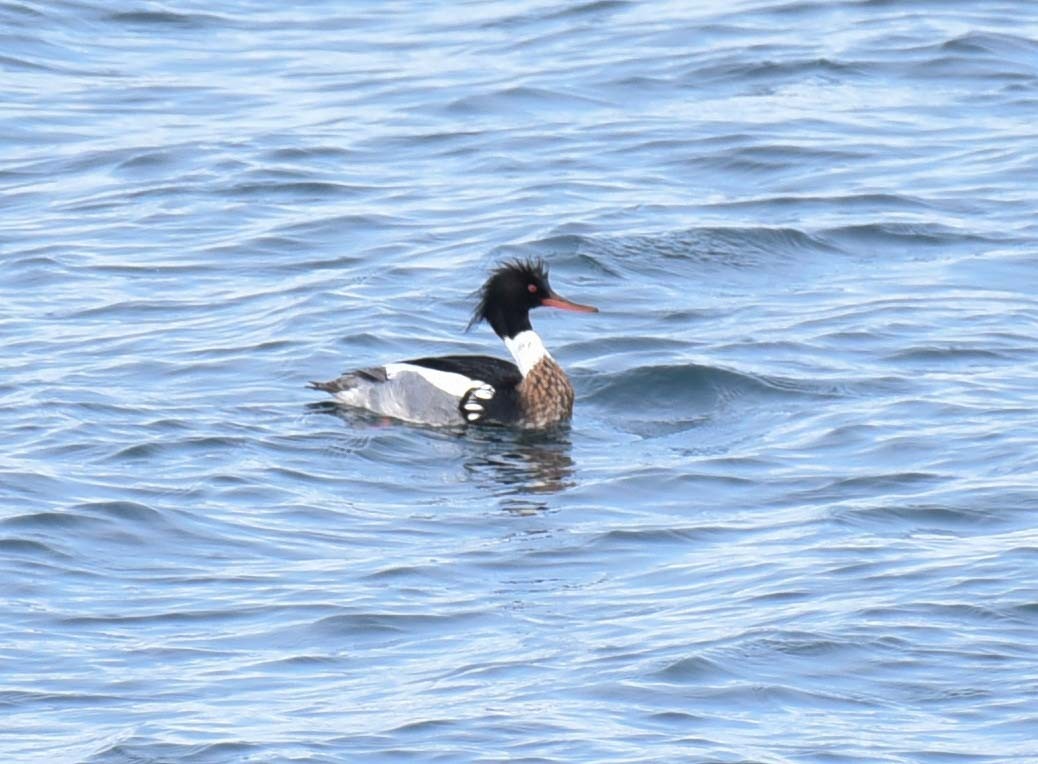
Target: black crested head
[
  {"x": 508, "y": 296},
  {"x": 512, "y": 291}
]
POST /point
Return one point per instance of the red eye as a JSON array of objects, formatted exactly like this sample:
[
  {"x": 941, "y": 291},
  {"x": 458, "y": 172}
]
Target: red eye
[{"x": 532, "y": 288}]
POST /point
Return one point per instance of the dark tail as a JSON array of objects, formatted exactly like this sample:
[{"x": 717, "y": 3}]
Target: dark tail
[
  {"x": 328, "y": 387},
  {"x": 350, "y": 380}
]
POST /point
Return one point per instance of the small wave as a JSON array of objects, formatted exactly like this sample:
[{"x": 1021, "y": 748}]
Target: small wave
[
  {"x": 140, "y": 748},
  {"x": 155, "y": 448},
  {"x": 695, "y": 669},
  {"x": 11, "y": 62},
  {"x": 168, "y": 18},
  {"x": 870, "y": 486},
  {"x": 347, "y": 226},
  {"x": 522, "y": 99},
  {"x": 887, "y": 235},
  {"x": 124, "y": 511},
  {"x": 594, "y": 8},
  {"x": 334, "y": 154},
  {"x": 918, "y": 516},
  {"x": 22, "y": 698},
  {"x": 932, "y": 353},
  {"x": 424, "y": 726},
  {"x": 33, "y": 269},
  {"x": 587, "y": 10},
  {"x": 720, "y": 251},
  {"x": 210, "y": 615},
  {"x": 383, "y": 624},
  {"x": 394, "y": 572},
  {"x": 147, "y": 160},
  {"x": 48, "y": 521},
  {"x": 992, "y": 44},
  {"x": 742, "y": 72},
  {"x": 729, "y": 250},
  {"x": 671, "y": 389},
  {"x": 619, "y": 537},
  {"x": 861, "y": 203},
  {"x": 29, "y": 548},
  {"x": 764, "y": 644},
  {"x": 299, "y": 189}
]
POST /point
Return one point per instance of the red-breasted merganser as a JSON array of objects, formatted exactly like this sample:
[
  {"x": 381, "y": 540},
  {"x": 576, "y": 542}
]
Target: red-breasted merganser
[{"x": 457, "y": 389}]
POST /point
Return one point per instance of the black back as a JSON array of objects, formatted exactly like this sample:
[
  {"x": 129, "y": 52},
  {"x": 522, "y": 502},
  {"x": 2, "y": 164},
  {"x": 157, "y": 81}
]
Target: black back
[
  {"x": 500, "y": 374},
  {"x": 496, "y": 372}
]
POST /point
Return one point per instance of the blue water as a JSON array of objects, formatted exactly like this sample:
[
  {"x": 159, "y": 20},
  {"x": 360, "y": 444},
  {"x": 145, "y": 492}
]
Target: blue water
[{"x": 794, "y": 518}]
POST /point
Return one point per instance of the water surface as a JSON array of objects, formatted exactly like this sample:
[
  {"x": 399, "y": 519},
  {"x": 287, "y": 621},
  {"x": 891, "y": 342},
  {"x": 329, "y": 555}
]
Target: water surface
[{"x": 792, "y": 519}]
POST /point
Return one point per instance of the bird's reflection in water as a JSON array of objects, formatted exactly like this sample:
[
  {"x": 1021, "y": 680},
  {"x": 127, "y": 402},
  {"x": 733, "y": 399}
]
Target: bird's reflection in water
[{"x": 520, "y": 467}]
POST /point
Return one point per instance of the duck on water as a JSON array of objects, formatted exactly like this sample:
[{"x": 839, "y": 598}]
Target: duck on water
[{"x": 533, "y": 392}]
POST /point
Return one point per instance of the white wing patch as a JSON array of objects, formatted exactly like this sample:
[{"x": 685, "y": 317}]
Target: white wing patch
[{"x": 447, "y": 381}]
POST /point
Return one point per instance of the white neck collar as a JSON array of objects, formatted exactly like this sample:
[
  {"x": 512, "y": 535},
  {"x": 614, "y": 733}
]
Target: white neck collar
[{"x": 527, "y": 350}]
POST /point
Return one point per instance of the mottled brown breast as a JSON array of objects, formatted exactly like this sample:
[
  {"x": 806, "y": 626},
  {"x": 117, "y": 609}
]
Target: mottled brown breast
[{"x": 545, "y": 394}]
